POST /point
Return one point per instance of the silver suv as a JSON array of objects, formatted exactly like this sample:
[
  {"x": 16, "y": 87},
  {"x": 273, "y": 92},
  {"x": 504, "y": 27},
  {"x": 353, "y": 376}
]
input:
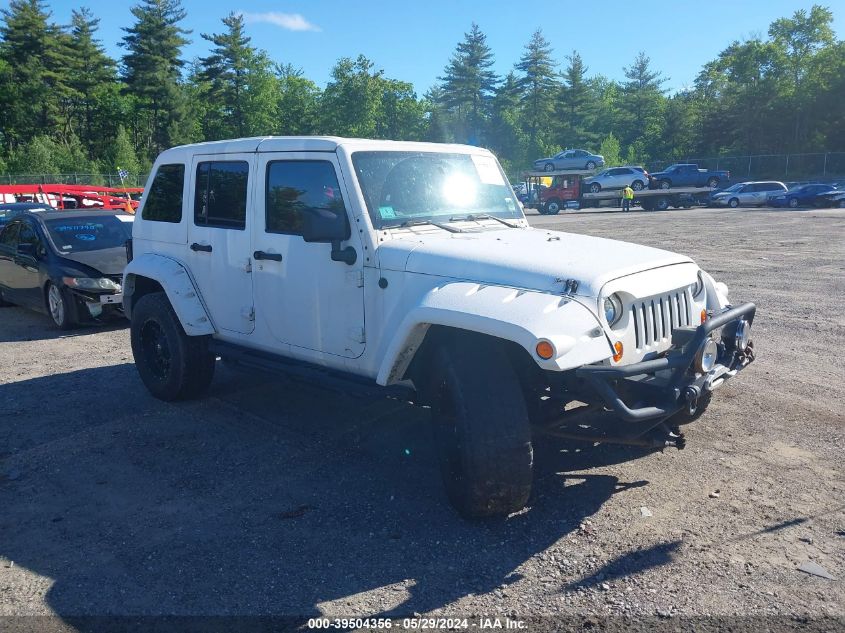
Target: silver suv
[{"x": 748, "y": 194}]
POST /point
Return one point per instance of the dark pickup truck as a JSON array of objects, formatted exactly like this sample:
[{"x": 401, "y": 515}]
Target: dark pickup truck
[{"x": 688, "y": 175}]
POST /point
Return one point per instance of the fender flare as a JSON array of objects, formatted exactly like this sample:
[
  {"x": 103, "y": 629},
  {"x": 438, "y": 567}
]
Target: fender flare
[
  {"x": 181, "y": 290},
  {"x": 523, "y": 317}
]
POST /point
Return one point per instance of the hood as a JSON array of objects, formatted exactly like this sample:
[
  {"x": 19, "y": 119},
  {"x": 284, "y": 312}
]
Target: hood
[
  {"x": 108, "y": 261},
  {"x": 524, "y": 258}
]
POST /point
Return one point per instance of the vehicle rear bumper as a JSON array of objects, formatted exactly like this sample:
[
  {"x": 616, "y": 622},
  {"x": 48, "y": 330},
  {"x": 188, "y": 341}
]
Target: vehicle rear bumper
[{"x": 663, "y": 386}]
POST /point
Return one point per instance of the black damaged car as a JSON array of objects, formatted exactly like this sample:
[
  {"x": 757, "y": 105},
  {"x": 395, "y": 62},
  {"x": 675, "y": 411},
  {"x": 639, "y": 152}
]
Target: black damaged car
[{"x": 68, "y": 264}]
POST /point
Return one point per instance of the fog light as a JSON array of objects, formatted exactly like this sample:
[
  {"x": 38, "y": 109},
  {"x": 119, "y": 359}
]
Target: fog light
[
  {"x": 743, "y": 335},
  {"x": 545, "y": 350},
  {"x": 620, "y": 349},
  {"x": 705, "y": 360}
]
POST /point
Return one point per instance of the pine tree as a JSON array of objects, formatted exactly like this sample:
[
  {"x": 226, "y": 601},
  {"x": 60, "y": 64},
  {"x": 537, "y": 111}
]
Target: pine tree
[
  {"x": 538, "y": 89},
  {"x": 32, "y": 84},
  {"x": 298, "y": 103},
  {"x": 643, "y": 101},
  {"x": 469, "y": 82},
  {"x": 226, "y": 71},
  {"x": 152, "y": 67},
  {"x": 91, "y": 71},
  {"x": 575, "y": 108}
]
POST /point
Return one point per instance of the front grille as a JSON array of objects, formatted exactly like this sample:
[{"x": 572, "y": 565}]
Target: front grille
[{"x": 656, "y": 318}]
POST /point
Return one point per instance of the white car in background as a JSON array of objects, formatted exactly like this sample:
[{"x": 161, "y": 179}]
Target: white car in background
[
  {"x": 748, "y": 194},
  {"x": 617, "y": 178}
]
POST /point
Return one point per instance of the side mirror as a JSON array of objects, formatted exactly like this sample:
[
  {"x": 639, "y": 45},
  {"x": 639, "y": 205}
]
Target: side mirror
[{"x": 329, "y": 226}]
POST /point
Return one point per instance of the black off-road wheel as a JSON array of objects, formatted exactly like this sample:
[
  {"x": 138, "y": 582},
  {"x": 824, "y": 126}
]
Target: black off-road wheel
[
  {"x": 481, "y": 426},
  {"x": 552, "y": 207},
  {"x": 172, "y": 365}
]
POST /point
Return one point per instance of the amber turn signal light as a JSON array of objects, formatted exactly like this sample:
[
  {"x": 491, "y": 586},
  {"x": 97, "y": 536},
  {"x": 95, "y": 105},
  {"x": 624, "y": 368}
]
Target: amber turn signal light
[
  {"x": 545, "y": 350},
  {"x": 703, "y": 316},
  {"x": 619, "y": 351}
]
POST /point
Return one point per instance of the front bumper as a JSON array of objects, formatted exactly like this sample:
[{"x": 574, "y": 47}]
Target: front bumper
[{"x": 663, "y": 386}]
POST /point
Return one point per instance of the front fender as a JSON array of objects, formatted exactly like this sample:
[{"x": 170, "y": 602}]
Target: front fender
[
  {"x": 173, "y": 277},
  {"x": 522, "y": 316}
]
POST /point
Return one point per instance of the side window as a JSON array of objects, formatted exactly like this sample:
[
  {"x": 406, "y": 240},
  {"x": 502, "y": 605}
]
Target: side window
[
  {"x": 9, "y": 236},
  {"x": 295, "y": 187},
  {"x": 220, "y": 195},
  {"x": 27, "y": 234},
  {"x": 164, "y": 199}
]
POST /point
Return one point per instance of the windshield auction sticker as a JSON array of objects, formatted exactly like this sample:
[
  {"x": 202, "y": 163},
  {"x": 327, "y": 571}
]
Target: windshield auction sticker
[{"x": 488, "y": 170}]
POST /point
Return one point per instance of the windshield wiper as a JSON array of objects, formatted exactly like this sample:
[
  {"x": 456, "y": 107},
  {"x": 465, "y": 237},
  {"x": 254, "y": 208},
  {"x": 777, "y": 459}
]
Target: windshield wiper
[
  {"x": 451, "y": 229},
  {"x": 484, "y": 216}
]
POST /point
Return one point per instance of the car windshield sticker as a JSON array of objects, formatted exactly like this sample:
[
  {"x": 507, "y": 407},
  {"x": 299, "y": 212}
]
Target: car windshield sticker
[
  {"x": 488, "y": 172},
  {"x": 387, "y": 213},
  {"x": 85, "y": 237}
]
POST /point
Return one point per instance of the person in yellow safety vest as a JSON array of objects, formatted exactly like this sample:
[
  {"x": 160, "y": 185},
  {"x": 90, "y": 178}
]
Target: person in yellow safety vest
[{"x": 627, "y": 196}]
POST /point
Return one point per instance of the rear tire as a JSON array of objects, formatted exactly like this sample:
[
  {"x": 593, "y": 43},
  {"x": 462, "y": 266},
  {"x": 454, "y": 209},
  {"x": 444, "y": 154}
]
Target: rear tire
[
  {"x": 549, "y": 167},
  {"x": 793, "y": 203},
  {"x": 665, "y": 184},
  {"x": 661, "y": 204},
  {"x": 172, "y": 365},
  {"x": 591, "y": 165},
  {"x": 638, "y": 185},
  {"x": 481, "y": 426}
]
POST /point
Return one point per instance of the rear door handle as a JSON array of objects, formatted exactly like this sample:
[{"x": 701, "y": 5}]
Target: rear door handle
[
  {"x": 201, "y": 247},
  {"x": 276, "y": 257}
]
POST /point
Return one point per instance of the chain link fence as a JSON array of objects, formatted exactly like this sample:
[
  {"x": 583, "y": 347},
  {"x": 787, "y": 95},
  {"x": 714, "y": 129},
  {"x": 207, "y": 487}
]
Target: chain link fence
[
  {"x": 102, "y": 180},
  {"x": 827, "y": 166}
]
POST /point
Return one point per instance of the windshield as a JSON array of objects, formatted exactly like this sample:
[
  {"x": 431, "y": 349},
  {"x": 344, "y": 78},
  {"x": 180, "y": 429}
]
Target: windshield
[
  {"x": 403, "y": 186},
  {"x": 735, "y": 187},
  {"x": 76, "y": 235}
]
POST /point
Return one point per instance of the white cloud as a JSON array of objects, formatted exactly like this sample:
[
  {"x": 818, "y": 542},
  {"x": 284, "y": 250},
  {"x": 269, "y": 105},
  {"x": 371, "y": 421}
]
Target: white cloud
[{"x": 289, "y": 21}]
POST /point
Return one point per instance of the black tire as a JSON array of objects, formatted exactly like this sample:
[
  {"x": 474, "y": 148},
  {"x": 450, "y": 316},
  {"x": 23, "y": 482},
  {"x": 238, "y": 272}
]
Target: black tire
[
  {"x": 552, "y": 207},
  {"x": 733, "y": 203},
  {"x": 172, "y": 365},
  {"x": 793, "y": 203},
  {"x": 661, "y": 204},
  {"x": 549, "y": 167},
  {"x": 595, "y": 187},
  {"x": 481, "y": 426},
  {"x": 664, "y": 184},
  {"x": 60, "y": 307},
  {"x": 713, "y": 183},
  {"x": 591, "y": 165},
  {"x": 690, "y": 413},
  {"x": 638, "y": 185}
]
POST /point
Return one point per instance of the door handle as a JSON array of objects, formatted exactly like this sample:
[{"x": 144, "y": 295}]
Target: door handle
[
  {"x": 276, "y": 257},
  {"x": 206, "y": 248}
]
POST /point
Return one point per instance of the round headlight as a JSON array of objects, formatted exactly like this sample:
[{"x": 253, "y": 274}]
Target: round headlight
[
  {"x": 612, "y": 309},
  {"x": 743, "y": 335},
  {"x": 705, "y": 360},
  {"x": 699, "y": 285}
]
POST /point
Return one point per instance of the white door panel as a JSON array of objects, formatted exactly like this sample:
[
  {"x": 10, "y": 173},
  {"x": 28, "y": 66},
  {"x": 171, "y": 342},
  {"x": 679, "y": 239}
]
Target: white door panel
[
  {"x": 219, "y": 238},
  {"x": 305, "y": 300}
]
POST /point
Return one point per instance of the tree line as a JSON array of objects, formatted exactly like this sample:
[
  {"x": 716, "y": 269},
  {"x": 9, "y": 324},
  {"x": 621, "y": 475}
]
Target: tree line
[{"x": 67, "y": 107}]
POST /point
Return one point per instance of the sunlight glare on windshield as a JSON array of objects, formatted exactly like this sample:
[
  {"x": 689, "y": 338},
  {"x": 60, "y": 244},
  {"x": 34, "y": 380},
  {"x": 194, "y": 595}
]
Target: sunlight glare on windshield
[{"x": 459, "y": 190}]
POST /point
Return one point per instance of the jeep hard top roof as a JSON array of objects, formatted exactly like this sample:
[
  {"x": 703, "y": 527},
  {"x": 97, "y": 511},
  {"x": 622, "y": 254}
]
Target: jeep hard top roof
[{"x": 308, "y": 144}]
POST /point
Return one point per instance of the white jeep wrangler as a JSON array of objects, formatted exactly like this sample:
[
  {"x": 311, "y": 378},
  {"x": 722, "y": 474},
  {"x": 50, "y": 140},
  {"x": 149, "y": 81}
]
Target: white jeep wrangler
[{"x": 410, "y": 267}]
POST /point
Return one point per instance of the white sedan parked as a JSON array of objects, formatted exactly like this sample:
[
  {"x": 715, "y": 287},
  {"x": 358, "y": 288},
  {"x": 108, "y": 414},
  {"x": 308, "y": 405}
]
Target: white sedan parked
[{"x": 617, "y": 178}]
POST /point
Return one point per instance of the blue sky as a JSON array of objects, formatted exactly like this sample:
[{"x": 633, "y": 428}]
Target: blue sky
[{"x": 413, "y": 40}]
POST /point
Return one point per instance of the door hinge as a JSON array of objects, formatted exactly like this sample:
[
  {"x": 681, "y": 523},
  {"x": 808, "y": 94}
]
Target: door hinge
[
  {"x": 355, "y": 277},
  {"x": 357, "y": 334},
  {"x": 248, "y": 313}
]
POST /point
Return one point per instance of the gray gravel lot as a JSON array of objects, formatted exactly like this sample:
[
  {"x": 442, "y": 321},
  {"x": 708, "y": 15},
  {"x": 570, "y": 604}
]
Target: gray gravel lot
[{"x": 275, "y": 497}]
